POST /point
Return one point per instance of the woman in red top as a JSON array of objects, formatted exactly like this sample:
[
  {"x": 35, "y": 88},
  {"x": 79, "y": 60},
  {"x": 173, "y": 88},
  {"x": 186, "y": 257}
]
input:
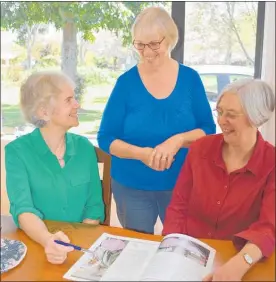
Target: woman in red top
[{"x": 226, "y": 187}]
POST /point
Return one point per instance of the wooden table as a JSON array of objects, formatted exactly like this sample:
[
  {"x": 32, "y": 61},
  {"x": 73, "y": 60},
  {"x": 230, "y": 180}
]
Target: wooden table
[{"x": 35, "y": 267}]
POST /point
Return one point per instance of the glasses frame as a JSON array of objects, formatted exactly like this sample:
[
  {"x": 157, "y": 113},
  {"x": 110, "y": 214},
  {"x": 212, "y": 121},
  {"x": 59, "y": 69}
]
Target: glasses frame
[
  {"x": 148, "y": 44},
  {"x": 226, "y": 114}
]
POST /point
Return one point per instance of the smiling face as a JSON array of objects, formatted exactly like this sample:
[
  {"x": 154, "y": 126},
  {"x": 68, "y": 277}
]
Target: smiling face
[
  {"x": 153, "y": 49},
  {"x": 155, "y": 27},
  {"x": 64, "y": 110},
  {"x": 232, "y": 119}
]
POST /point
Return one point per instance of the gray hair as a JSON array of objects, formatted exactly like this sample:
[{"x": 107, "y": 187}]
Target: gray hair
[
  {"x": 39, "y": 90},
  {"x": 256, "y": 97}
]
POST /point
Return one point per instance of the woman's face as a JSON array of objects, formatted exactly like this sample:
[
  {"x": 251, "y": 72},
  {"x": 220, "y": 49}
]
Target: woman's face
[
  {"x": 152, "y": 48},
  {"x": 232, "y": 119},
  {"x": 65, "y": 110}
]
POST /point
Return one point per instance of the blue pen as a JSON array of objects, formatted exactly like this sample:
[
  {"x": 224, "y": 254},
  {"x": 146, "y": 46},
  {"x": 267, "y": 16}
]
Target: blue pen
[{"x": 78, "y": 248}]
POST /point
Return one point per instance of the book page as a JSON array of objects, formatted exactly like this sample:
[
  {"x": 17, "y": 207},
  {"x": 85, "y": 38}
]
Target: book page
[
  {"x": 180, "y": 258},
  {"x": 114, "y": 258}
]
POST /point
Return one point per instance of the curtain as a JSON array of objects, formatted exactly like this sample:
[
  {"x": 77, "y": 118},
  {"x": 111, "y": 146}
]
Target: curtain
[{"x": 268, "y": 65}]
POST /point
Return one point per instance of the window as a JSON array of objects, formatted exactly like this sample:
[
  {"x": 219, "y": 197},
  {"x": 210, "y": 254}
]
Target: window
[
  {"x": 235, "y": 77},
  {"x": 27, "y": 48},
  {"x": 218, "y": 38},
  {"x": 211, "y": 85},
  {"x": 220, "y": 41}
]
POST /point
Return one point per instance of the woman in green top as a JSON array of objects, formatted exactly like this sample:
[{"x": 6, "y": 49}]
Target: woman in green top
[{"x": 52, "y": 174}]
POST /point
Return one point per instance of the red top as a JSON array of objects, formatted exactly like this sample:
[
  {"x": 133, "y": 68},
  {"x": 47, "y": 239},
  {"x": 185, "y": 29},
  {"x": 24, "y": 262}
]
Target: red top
[{"x": 208, "y": 202}]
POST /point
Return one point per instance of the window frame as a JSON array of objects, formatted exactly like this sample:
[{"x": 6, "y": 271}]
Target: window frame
[{"x": 179, "y": 16}]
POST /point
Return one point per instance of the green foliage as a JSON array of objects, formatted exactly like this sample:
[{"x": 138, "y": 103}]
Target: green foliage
[
  {"x": 220, "y": 32},
  {"x": 12, "y": 115},
  {"x": 47, "y": 55},
  {"x": 102, "y": 62},
  {"x": 25, "y": 33},
  {"x": 18, "y": 60},
  {"x": 87, "y": 16},
  {"x": 14, "y": 74},
  {"x": 98, "y": 76},
  {"x": 48, "y": 61}
]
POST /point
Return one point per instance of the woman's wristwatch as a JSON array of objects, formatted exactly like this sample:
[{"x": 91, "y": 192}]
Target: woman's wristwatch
[{"x": 248, "y": 259}]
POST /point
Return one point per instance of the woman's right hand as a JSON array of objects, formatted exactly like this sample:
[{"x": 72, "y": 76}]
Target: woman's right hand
[{"x": 55, "y": 253}]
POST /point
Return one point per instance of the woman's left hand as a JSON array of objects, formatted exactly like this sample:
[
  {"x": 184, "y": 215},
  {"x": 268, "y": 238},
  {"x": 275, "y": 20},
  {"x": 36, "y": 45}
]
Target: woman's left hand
[
  {"x": 163, "y": 154},
  {"x": 233, "y": 270}
]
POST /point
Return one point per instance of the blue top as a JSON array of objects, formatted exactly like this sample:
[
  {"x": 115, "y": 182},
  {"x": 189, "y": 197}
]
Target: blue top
[{"x": 133, "y": 115}]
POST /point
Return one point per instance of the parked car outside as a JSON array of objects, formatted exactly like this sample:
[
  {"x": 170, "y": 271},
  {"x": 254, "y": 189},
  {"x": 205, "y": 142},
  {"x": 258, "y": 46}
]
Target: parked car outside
[{"x": 216, "y": 77}]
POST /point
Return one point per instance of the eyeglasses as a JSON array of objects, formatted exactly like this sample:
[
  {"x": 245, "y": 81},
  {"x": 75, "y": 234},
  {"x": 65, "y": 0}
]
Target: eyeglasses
[
  {"x": 228, "y": 115},
  {"x": 154, "y": 45}
]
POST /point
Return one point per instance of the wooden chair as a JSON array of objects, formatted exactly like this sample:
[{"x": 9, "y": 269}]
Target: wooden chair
[{"x": 105, "y": 159}]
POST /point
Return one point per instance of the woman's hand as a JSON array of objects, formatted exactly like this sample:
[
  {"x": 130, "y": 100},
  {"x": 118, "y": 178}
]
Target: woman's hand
[
  {"x": 163, "y": 154},
  {"x": 55, "y": 253},
  {"x": 91, "y": 221},
  {"x": 233, "y": 270},
  {"x": 145, "y": 155}
]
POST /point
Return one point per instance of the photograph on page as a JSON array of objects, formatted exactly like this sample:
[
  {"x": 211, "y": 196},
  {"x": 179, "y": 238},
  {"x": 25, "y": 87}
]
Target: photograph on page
[
  {"x": 94, "y": 266},
  {"x": 187, "y": 248},
  {"x": 113, "y": 258},
  {"x": 180, "y": 258}
]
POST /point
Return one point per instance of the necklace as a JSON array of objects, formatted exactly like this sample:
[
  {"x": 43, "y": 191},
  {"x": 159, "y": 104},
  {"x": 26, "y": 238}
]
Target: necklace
[{"x": 59, "y": 153}]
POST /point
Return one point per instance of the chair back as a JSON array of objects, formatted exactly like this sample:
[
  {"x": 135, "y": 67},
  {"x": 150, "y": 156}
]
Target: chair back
[{"x": 105, "y": 160}]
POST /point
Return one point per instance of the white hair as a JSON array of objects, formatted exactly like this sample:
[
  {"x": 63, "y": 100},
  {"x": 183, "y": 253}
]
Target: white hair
[
  {"x": 39, "y": 90},
  {"x": 256, "y": 97},
  {"x": 156, "y": 20}
]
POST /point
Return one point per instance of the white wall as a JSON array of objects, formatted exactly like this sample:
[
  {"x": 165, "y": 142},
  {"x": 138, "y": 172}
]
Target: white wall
[{"x": 268, "y": 65}]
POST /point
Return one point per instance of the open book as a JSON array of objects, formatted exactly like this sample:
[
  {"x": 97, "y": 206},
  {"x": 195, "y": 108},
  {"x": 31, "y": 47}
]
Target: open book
[{"x": 177, "y": 258}]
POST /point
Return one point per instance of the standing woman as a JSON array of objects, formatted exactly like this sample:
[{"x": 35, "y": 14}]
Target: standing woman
[{"x": 155, "y": 111}]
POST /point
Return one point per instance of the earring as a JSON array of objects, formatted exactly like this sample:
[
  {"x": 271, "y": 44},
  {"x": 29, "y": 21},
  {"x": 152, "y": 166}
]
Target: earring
[{"x": 38, "y": 122}]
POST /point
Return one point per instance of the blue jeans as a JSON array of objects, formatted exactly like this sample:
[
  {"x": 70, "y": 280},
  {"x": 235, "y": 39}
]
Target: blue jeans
[{"x": 138, "y": 209}]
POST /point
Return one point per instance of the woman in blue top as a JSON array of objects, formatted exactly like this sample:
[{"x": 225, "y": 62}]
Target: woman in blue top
[{"x": 155, "y": 111}]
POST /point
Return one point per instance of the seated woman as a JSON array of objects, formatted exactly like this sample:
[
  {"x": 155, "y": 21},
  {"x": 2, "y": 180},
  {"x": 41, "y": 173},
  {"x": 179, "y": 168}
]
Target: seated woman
[
  {"x": 226, "y": 187},
  {"x": 52, "y": 174}
]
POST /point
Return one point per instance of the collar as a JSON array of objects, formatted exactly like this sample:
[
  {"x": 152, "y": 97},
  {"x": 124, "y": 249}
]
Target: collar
[
  {"x": 42, "y": 148},
  {"x": 254, "y": 164}
]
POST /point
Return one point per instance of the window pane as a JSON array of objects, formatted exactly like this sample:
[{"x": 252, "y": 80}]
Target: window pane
[
  {"x": 220, "y": 39},
  {"x": 211, "y": 85},
  {"x": 100, "y": 62},
  {"x": 235, "y": 77}
]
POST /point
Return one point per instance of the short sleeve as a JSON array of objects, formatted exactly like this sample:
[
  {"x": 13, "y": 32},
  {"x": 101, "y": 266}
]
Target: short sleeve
[{"x": 17, "y": 184}]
